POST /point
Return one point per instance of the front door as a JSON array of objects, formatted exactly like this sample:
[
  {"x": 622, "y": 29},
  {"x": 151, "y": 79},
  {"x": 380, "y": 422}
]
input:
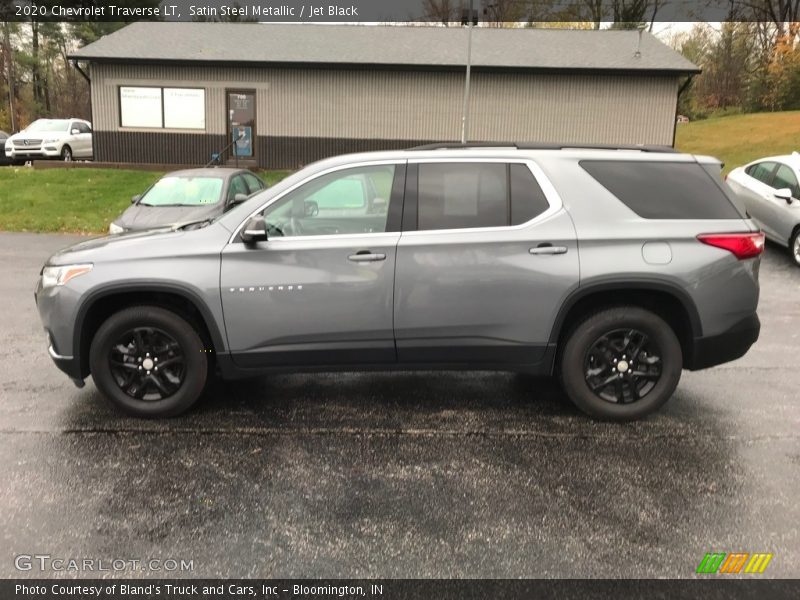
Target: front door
[
  {"x": 242, "y": 126},
  {"x": 493, "y": 257},
  {"x": 320, "y": 290}
]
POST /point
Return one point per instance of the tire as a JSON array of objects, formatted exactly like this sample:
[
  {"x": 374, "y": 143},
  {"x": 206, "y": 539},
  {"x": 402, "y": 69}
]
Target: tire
[
  {"x": 66, "y": 153},
  {"x": 148, "y": 334},
  {"x": 593, "y": 353},
  {"x": 794, "y": 247}
]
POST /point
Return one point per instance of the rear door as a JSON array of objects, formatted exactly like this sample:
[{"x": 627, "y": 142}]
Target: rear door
[
  {"x": 320, "y": 290},
  {"x": 82, "y": 145},
  {"x": 487, "y": 256}
]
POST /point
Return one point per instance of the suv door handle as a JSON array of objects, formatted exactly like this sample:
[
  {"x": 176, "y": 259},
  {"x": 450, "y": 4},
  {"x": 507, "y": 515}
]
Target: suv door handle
[
  {"x": 366, "y": 256},
  {"x": 548, "y": 248}
]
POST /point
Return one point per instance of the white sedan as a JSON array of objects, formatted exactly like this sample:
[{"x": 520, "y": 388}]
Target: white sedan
[{"x": 771, "y": 194}]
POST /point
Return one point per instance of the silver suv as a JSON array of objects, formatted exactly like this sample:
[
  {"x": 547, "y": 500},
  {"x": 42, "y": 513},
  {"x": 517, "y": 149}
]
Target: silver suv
[{"x": 613, "y": 268}]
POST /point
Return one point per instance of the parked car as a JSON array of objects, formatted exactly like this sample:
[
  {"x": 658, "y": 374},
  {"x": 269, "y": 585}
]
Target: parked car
[
  {"x": 612, "y": 268},
  {"x": 190, "y": 195},
  {"x": 3, "y": 159},
  {"x": 64, "y": 139},
  {"x": 770, "y": 192}
]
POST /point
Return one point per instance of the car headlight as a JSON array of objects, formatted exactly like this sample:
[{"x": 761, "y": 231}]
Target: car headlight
[
  {"x": 52, "y": 276},
  {"x": 50, "y": 141},
  {"x": 114, "y": 228}
]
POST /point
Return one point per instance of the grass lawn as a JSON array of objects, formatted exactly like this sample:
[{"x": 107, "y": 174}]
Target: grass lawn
[
  {"x": 73, "y": 200},
  {"x": 739, "y": 139}
]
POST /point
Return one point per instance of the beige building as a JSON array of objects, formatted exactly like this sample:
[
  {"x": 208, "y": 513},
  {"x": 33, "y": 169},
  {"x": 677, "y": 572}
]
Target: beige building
[{"x": 280, "y": 96}]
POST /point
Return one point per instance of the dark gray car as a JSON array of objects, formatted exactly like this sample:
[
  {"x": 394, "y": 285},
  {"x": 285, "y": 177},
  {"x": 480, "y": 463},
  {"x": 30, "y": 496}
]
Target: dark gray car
[
  {"x": 612, "y": 268},
  {"x": 186, "y": 196}
]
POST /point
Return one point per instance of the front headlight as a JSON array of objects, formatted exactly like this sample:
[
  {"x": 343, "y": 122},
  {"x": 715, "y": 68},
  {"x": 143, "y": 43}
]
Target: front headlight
[
  {"x": 114, "y": 228},
  {"x": 52, "y": 276},
  {"x": 50, "y": 141}
]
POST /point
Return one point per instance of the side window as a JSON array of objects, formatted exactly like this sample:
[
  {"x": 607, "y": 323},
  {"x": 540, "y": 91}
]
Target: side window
[
  {"x": 527, "y": 198},
  {"x": 785, "y": 178},
  {"x": 761, "y": 171},
  {"x": 84, "y": 128},
  {"x": 349, "y": 201},
  {"x": 253, "y": 183},
  {"x": 462, "y": 195},
  {"x": 663, "y": 190},
  {"x": 237, "y": 186}
]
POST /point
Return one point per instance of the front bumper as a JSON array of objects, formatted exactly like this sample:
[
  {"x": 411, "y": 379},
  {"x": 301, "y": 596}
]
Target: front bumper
[
  {"x": 709, "y": 351},
  {"x": 67, "y": 364},
  {"x": 49, "y": 151},
  {"x": 55, "y": 306}
]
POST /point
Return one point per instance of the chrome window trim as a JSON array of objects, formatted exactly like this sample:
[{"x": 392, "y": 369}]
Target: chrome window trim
[
  {"x": 369, "y": 163},
  {"x": 550, "y": 194}
]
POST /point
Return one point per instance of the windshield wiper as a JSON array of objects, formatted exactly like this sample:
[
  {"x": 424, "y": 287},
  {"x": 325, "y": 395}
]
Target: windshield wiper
[{"x": 184, "y": 225}]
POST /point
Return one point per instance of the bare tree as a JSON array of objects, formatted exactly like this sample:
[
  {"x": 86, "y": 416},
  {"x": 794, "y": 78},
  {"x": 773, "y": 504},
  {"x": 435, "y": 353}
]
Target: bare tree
[{"x": 444, "y": 11}]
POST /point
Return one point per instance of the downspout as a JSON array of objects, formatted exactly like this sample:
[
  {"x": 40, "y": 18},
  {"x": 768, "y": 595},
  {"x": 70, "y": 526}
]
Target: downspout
[
  {"x": 77, "y": 65},
  {"x": 677, "y": 99}
]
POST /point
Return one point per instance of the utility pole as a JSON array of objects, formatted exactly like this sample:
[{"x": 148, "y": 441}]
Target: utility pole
[{"x": 465, "y": 107}]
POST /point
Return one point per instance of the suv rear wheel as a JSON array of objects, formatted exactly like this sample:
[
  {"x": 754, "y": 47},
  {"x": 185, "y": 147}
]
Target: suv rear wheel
[
  {"x": 621, "y": 363},
  {"x": 149, "y": 362}
]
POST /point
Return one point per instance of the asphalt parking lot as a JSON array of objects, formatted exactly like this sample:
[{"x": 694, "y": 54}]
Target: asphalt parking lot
[{"x": 401, "y": 475}]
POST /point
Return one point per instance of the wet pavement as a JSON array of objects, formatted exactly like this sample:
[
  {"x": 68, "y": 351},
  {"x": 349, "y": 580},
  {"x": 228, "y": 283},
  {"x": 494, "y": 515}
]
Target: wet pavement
[{"x": 400, "y": 474}]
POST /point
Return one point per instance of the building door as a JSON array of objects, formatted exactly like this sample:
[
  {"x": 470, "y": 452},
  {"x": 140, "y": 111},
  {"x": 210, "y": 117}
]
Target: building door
[{"x": 242, "y": 126}]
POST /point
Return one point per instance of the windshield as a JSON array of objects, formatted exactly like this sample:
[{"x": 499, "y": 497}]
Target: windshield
[
  {"x": 43, "y": 125},
  {"x": 183, "y": 191}
]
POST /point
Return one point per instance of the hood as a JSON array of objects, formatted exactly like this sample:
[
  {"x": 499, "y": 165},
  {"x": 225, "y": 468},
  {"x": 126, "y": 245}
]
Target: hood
[
  {"x": 140, "y": 217},
  {"x": 114, "y": 243},
  {"x": 39, "y": 135}
]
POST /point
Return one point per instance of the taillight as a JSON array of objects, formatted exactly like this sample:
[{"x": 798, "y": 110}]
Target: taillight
[{"x": 741, "y": 245}]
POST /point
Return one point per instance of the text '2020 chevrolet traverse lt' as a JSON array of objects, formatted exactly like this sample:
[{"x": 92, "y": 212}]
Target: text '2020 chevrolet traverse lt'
[{"x": 613, "y": 268}]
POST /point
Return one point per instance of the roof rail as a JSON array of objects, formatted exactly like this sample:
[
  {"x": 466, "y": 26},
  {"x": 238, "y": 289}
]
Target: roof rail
[{"x": 545, "y": 146}]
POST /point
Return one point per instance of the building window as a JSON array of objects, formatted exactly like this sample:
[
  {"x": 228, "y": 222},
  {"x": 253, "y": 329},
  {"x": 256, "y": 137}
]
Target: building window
[{"x": 156, "y": 107}]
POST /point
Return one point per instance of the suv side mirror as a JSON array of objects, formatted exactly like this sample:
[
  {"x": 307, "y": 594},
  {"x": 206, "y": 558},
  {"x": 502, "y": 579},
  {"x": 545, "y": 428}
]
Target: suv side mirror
[
  {"x": 784, "y": 194},
  {"x": 75, "y": 131},
  {"x": 255, "y": 230},
  {"x": 239, "y": 198},
  {"x": 136, "y": 198}
]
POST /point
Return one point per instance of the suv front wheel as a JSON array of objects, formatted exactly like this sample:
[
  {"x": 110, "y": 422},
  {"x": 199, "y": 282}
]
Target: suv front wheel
[
  {"x": 621, "y": 363},
  {"x": 149, "y": 362}
]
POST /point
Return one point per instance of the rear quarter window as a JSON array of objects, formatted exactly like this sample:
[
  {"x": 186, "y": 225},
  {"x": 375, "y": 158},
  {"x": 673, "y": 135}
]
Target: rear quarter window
[{"x": 663, "y": 190}]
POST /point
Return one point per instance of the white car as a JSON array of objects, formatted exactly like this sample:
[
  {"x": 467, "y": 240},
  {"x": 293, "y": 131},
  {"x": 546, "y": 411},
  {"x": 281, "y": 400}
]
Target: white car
[
  {"x": 64, "y": 139},
  {"x": 770, "y": 191}
]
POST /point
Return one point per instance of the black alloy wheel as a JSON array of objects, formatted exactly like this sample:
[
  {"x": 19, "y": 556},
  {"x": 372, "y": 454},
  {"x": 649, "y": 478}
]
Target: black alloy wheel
[
  {"x": 150, "y": 361},
  {"x": 147, "y": 364},
  {"x": 623, "y": 366},
  {"x": 620, "y": 363}
]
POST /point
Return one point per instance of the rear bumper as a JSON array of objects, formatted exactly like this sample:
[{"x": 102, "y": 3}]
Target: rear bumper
[{"x": 734, "y": 343}]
